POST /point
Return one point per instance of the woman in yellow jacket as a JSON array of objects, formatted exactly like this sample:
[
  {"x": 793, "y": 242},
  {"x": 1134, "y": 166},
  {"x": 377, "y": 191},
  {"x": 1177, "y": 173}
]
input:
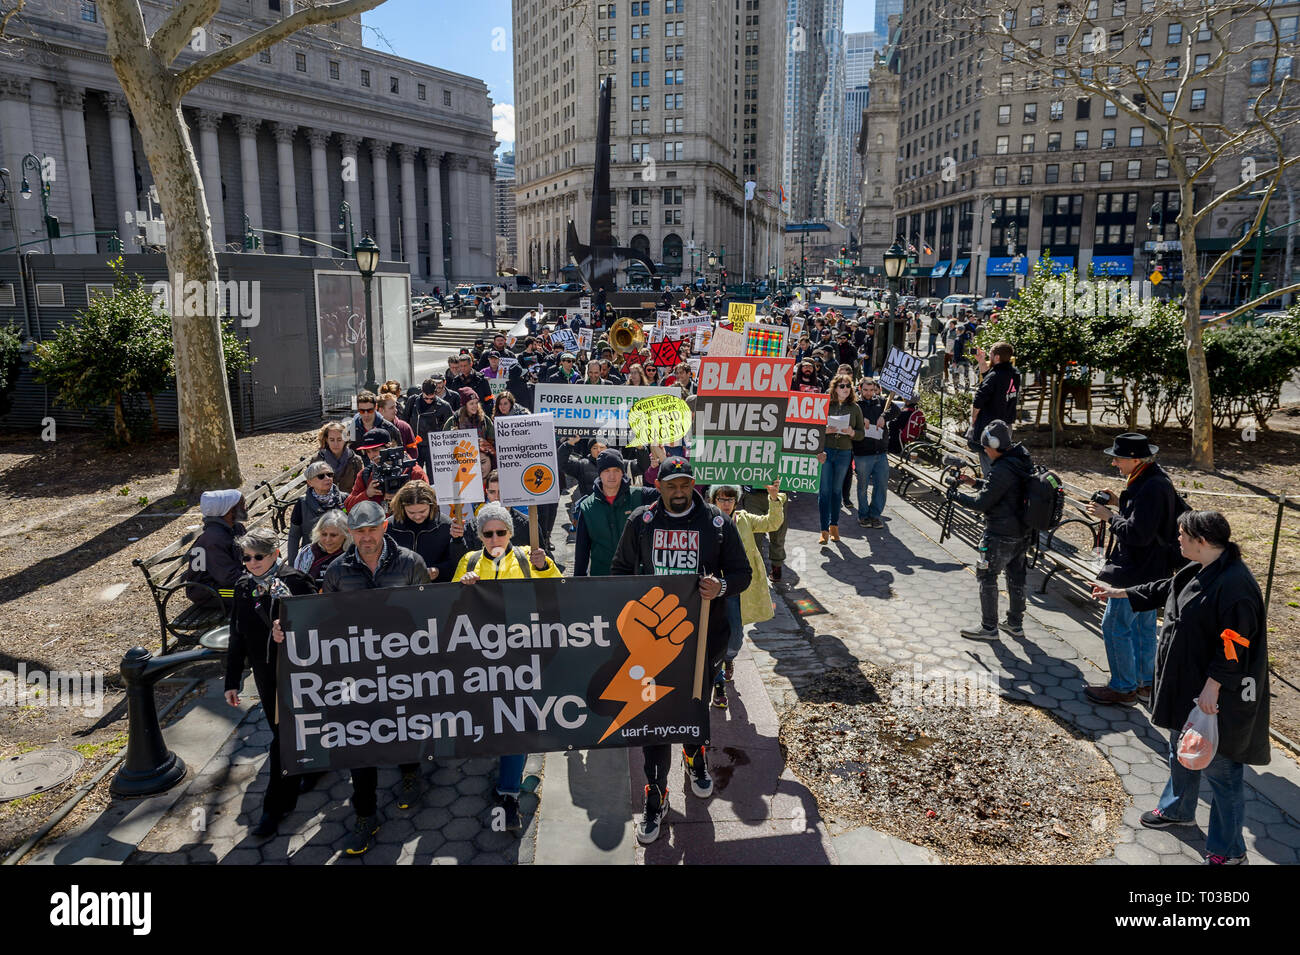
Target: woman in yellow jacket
[
  {"x": 498, "y": 560},
  {"x": 754, "y": 605}
]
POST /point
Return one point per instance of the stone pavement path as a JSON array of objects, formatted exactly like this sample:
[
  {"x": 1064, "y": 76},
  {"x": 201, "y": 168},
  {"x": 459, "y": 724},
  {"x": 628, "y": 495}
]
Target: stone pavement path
[{"x": 896, "y": 597}]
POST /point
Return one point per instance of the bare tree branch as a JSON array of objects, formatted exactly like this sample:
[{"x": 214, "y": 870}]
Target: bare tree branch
[
  {"x": 173, "y": 36},
  {"x": 218, "y": 60},
  {"x": 7, "y": 14}
]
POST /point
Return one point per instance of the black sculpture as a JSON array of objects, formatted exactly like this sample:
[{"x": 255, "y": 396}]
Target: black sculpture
[{"x": 598, "y": 261}]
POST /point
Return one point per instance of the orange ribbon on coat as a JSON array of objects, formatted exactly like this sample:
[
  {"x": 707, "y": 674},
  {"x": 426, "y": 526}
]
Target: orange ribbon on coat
[{"x": 1231, "y": 637}]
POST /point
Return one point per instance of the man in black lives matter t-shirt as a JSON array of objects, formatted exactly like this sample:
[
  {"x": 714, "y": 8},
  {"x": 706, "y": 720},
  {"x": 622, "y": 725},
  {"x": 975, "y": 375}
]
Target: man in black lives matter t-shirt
[
  {"x": 996, "y": 397},
  {"x": 682, "y": 534}
]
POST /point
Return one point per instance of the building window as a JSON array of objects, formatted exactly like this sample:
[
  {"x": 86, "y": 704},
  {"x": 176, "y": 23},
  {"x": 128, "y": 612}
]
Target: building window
[
  {"x": 1106, "y": 171},
  {"x": 365, "y": 77},
  {"x": 1027, "y": 143},
  {"x": 672, "y": 196},
  {"x": 1004, "y": 86},
  {"x": 1287, "y": 28},
  {"x": 674, "y": 6},
  {"x": 1144, "y": 38},
  {"x": 1026, "y": 175},
  {"x": 1000, "y": 176},
  {"x": 673, "y": 78},
  {"x": 1171, "y": 66},
  {"x": 1077, "y": 172},
  {"x": 1061, "y": 41},
  {"x": 640, "y": 151},
  {"x": 1080, "y": 139},
  {"x": 672, "y": 125},
  {"x": 1108, "y": 139},
  {"x": 446, "y": 97},
  {"x": 89, "y": 11},
  {"x": 1031, "y": 113},
  {"x": 672, "y": 217},
  {"x": 1090, "y": 11},
  {"x": 300, "y": 62},
  {"x": 1001, "y": 145},
  {"x": 674, "y": 151},
  {"x": 1162, "y": 168},
  {"x": 675, "y": 28},
  {"x": 1053, "y": 142},
  {"x": 1198, "y": 99},
  {"x": 1174, "y": 34},
  {"x": 1035, "y": 16},
  {"x": 1135, "y": 168},
  {"x": 1135, "y": 135},
  {"x": 1004, "y": 115},
  {"x": 1057, "y": 110},
  {"x": 394, "y": 86},
  {"x": 1118, "y": 8},
  {"x": 1259, "y": 72},
  {"x": 1263, "y": 31},
  {"x": 1167, "y": 101},
  {"x": 1083, "y": 108},
  {"x": 606, "y": 11},
  {"x": 264, "y": 56},
  {"x": 1108, "y": 109},
  {"x": 421, "y": 91},
  {"x": 1052, "y": 173},
  {"x": 1058, "y": 77},
  {"x": 1203, "y": 33}
]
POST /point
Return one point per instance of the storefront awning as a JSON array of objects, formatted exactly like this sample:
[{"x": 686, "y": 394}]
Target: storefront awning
[
  {"x": 1017, "y": 265},
  {"x": 940, "y": 270},
  {"x": 1062, "y": 263},
  {"x": 1103, "y": 265},
  {"x": 959, "y": 267}
]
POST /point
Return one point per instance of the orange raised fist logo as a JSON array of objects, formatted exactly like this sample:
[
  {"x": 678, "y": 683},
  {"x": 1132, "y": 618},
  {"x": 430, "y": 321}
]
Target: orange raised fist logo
[
  {"x": 466, "y": 456},
  {"x": 653, "y": 629},
  {"x": 538, "y": 479}
]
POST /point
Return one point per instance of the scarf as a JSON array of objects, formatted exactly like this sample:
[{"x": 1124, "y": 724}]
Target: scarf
[
  {"x": 270, "y": 582},
  {"x": 328, "y": 501},
  {"x": 339, "y": 464},
  {"x": 1136, "y": 471}
]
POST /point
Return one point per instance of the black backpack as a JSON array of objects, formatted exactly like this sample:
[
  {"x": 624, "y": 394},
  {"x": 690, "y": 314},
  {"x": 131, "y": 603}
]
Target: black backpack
[{"x": 1044, "y": 499}]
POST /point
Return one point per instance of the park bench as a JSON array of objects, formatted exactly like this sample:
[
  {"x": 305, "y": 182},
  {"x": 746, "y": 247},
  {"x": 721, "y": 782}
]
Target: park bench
[
  {"x": 208, "y": 624},
  {"x": 922, "y": 460}
]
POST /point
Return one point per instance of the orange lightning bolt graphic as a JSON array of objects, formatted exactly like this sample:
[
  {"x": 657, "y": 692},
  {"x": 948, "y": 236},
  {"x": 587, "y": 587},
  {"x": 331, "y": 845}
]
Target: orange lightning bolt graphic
[
  {"x": 466, "y": 456},
  {"x": 653, "y": 629}
]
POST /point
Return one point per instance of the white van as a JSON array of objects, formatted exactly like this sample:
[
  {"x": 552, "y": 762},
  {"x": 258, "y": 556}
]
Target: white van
[{"x": 956, "y": 303}]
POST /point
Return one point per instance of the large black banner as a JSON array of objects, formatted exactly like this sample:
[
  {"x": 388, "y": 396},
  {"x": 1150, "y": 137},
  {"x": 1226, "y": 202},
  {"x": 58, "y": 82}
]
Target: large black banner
[{"x": 380, "y": 677}]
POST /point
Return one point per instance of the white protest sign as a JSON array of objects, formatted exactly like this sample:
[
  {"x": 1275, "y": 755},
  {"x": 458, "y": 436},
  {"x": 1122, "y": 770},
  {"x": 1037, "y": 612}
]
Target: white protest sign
[
  {"x": 526, "y": 461},
  {"x": 507, "y": 362},
  {"x": 726, "y": 344},
  {"x": 662, "y": 319},
  {"x": 457, "y": 475},
  {"x": 581, "y": 411},
  {"x": 585, "y": 336},
  {"x": 900, "y": 373}
]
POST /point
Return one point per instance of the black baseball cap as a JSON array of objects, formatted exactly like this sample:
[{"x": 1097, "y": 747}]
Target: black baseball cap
[
  {"x": 374, "y": 438},
  {"x": 675, "y": 467}
]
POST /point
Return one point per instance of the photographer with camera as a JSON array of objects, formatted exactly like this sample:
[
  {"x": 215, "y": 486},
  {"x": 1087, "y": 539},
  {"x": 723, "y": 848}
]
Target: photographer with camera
[
  {"x": 387, "y": 470},
  {"x": 1143, "y": 535},
  {"x": 1007, "y": 535}
]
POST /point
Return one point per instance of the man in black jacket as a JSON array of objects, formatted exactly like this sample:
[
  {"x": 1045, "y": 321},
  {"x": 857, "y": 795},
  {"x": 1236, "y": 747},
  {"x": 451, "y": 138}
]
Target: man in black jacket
[
  {"x": 214, "y": 561},
  {"x": 1142, "y": 535},
  {"x": 1006, "y": 539},
  {"x": 465, "y": 376},
  {"x": 682, "y": 534},
  {"x": 374, "y": 560},
  {"x": 871, "y": 454},
  {"x": 996, "y": 397},
  {"x": 427, "y": 412}
]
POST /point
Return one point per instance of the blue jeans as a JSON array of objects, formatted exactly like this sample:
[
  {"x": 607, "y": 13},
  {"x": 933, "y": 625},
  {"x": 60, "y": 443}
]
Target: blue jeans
[
  {"x": 510, "y": 775},
  {"x": 873, "y": 470},
  {"x": 832, "y": 485},
  {"x": 933, "y": 336},
  {"x": 737, "y": 628},
  {"x": 1227, "y": 799},
  {"x": 1130, "y": 645}
]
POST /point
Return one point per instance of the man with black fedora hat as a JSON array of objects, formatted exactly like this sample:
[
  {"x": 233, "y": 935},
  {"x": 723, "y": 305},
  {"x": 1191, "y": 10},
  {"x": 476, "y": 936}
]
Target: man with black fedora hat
[{"x": 1142, "y": 531}]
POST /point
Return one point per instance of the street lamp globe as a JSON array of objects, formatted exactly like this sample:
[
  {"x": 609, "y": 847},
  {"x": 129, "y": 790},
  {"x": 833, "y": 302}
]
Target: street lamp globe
[
  {"x": 895, "y": 258},
  {"x": 26, "y": 190},
  {"x": 713, "y": 259},
  {"x": 367, "y": 256}
]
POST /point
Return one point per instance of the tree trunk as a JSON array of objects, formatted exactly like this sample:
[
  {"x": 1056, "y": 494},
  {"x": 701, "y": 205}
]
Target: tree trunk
[
  {"x": 1288, "y": 298},
  {"x": 1198, "y": 371},
  {"x": 153, "y": 414},
  {"x": 120, "y": 430},
  {"x": 1135, "y": 407},
  {"x": 208, "y": 458}
]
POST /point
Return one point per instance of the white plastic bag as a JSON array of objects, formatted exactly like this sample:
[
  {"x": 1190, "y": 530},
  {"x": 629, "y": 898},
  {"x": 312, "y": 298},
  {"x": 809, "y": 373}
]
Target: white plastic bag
[{"x": 1199, "y": 740}]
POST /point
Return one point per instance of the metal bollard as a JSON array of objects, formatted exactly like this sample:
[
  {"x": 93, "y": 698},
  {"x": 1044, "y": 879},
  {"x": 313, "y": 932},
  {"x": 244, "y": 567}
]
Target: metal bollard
[{"x": 150, "y": 767}]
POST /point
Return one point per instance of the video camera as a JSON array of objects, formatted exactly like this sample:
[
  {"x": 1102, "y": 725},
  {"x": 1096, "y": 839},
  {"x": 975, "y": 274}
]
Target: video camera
[
  {"x": 952, "y": 468},
  {"x": 1101, "y": 497},
  {"x": 392, "y": 470}
]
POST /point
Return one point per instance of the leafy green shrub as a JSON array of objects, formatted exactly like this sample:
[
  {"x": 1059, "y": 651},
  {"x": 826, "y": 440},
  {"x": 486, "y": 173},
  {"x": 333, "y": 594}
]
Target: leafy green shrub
[{"x": 11, "y": 363}]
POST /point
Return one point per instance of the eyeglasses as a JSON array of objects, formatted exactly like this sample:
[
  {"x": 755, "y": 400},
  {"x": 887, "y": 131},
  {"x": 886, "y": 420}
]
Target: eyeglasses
[
  {"x": 365, "y": 410},
  {"x": 324, "y": 474},
  {"x": 249, "y": 558},
  {"x": 495, "y": 534}
]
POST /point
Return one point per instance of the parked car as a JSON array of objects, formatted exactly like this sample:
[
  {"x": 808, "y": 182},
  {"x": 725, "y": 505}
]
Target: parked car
[
  {"x": 991, "y": 304},
  {"x": 956, "y": 303}
]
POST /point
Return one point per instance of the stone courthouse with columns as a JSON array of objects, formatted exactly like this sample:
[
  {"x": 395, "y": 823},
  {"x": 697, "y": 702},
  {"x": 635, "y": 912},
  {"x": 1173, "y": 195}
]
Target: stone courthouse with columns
[{"x": 283, "y": 139}]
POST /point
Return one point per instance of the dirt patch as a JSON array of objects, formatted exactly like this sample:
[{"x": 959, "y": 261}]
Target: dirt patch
[
  {"x": 1002, "y": 784},
  {"x": 73, "y": 516},
  {"x": 1254, "y": 472}
]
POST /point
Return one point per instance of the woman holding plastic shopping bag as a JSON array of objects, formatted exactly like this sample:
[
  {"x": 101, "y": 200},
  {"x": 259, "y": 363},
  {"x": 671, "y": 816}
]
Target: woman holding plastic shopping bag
[{"x": 1211, "y": 662}]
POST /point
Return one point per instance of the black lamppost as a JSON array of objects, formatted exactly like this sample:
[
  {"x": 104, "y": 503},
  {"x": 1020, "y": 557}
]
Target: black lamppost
[
  {"x": 367, "y": 255},
  {"x": 895, "y": 260},
  {"x": 345, "y": 221},
  {"x": 713, "y": 263}
]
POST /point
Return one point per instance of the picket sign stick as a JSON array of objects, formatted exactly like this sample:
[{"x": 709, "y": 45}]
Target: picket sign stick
[
  {"x": 533, "y": 533},
  {"x": 700, "y": 647}
]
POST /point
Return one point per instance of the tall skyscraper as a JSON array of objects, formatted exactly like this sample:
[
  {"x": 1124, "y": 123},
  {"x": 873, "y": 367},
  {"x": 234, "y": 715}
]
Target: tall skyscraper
[
  {"x": 689, "y": 125},
  {"x": 506, "y": 232},
  {"x": 884, "y": 10},
  {"x": 859, "y": 57},
  {"x": 814, "y": 109}
]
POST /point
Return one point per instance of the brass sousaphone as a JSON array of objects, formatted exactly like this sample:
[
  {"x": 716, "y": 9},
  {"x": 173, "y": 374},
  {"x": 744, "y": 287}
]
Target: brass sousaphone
[{"x": 626, "y": 336}]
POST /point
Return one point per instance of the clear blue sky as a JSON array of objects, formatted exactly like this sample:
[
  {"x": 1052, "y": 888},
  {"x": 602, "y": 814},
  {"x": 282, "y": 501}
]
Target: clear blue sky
[{"x": 473, "y": 37}]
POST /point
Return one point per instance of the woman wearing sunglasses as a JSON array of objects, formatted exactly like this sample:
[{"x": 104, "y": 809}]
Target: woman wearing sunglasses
[
  {"x": 839, "y": 453},
  {"x": 267, "y": 579},
  {"x": 322, "y": 495},
  {"x": 500, "y": 560}
]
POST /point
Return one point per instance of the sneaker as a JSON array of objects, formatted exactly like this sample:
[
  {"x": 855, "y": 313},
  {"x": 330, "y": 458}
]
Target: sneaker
[
  {"x": 362, "y": 834},
  {"x": 729, "y": 671},
  {"x": 1224, "y": 860},
  {"x": 864, "y": 522},
  {"x": 1144, "y": 694},
  {"x": 408, "y": 790},
  {"x": 774, "y": 574},
  {"x": 875, "y": 523},
  {"x": 1155, "y": 819},
  {"x": 980, "y": 633},
  {"x": 697, "y": 771},
  {"x": 509, "y": 803},
  {"x": 1011, "y": 631},
  {"x": 720, "y": 695},
  {"x": 1105, "y": 695},
  {"x": 656, "y": 804}
]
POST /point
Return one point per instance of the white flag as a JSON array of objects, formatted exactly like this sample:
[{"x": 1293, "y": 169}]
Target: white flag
[{"x": 750, "y": 185}]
